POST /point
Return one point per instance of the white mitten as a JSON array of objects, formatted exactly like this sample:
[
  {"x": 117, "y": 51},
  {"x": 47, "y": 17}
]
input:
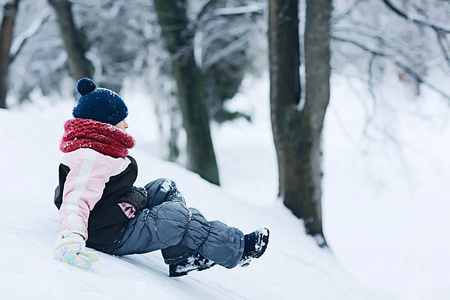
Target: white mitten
[{"x": 70, "y": 248}]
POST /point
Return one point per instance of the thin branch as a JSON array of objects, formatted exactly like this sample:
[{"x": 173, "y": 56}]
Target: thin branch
[
  {"x": 366, "y": 30},
  {"x": 406, "y": 69},
  {"x": 440, "y": 36},
  {"x": 205, "y": 9},
  {"x": 404, "y": 48},
  {"x": 227, "y": 50},
  {"x": 370, "y": 73},
  {"x": 361, "y": 46},
  {"x": 421, "y": 22},
  {"x": 346, "y": 11},
  {"x": 420, "y": 79},
  {"x": 371, "y": 116}
]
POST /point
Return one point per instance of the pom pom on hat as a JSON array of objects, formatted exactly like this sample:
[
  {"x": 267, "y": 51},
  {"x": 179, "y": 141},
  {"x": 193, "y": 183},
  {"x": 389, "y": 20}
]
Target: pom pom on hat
[
  {"x": 99, "y": 104},
  {"x": 85, "y": 85}
]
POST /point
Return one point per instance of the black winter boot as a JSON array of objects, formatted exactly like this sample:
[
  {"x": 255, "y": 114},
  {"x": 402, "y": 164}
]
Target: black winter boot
[
  {"x": 255, "y": 245},
  {"x": 197, "y": 262}
]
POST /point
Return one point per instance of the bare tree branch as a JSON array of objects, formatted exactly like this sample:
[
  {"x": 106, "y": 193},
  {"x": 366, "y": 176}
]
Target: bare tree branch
[
  {"x": 227, "y": 50},
  {"x": 390, "y": 45},
  {"x": 422, "y": 22},
  {"x": 419, "y": 78},
  {"x": 346, "y": 11},
  {"x": 441, "y": 36},
  {"x": 370, "y": 114},
  {"x": 205, "y": 8}
]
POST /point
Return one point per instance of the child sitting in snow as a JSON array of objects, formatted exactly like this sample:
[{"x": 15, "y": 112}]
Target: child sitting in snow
[{"x": 100, "y": 208}]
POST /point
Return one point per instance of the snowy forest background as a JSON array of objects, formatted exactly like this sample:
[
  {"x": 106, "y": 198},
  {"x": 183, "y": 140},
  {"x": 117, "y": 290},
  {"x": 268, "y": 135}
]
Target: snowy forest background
[{"x": 385, "y": 139}]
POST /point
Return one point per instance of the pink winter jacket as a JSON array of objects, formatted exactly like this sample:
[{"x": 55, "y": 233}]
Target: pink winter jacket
[{"x": 84, "y": 186}]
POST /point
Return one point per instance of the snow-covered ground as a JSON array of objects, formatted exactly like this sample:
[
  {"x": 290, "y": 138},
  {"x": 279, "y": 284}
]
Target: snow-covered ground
[{"x": 385, "y": 206}]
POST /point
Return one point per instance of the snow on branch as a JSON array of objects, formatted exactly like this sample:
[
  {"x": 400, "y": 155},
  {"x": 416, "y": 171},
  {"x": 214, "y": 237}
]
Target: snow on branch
[
  {"x": 21, "y": 39},
  {"x": 240, "y": 10},
  {"x": 227, "y": 50}
]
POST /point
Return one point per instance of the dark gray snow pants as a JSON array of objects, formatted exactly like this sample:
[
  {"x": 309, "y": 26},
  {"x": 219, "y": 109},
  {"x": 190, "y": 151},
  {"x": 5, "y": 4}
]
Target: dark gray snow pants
[{"x": 168, "y": 225}]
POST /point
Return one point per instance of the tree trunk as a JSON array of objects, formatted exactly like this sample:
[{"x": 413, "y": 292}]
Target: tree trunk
[
  {"x": 179, "y": 42},
  {"x": 76, "y": 51},
  {"x": 297, "y": 131},
  {"x": 6, "y": 36},
  {"x": 284, "y": 56}
]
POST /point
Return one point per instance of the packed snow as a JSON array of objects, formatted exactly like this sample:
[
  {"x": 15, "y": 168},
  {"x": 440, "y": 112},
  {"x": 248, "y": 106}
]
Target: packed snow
[{"x": 385, "y": 204}]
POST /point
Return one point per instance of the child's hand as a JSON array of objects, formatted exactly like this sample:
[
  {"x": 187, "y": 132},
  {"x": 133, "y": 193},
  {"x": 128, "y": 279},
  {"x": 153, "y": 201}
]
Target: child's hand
[{"x": 70, "y": 248}]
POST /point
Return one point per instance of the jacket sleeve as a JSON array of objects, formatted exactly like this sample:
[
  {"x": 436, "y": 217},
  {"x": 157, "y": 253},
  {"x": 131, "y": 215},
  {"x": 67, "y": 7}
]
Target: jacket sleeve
[{"x": 83, "y": 188}]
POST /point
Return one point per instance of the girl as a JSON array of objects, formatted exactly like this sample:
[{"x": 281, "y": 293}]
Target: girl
[{"x": 100, "y": 208}]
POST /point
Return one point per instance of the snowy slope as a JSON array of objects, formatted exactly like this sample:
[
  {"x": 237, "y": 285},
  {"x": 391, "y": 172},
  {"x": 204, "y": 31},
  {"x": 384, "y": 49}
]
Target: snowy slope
[
  {"x": 385, "y": 204},
  {"x": 292, "y": 268}
]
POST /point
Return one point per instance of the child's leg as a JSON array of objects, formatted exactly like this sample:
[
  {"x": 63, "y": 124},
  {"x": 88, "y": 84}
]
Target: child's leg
[
  {"x": 160, "y": 191},
  {"x": 172, "y": 223},
  {"x": 164, "y": 190}
]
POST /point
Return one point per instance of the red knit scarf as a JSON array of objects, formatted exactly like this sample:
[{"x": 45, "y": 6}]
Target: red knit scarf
[{"x": 102, "y": 137}]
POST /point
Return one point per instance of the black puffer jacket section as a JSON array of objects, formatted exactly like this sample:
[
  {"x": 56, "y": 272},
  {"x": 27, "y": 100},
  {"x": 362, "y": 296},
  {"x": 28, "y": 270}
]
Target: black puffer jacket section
[{"x": 107, "y": 222}]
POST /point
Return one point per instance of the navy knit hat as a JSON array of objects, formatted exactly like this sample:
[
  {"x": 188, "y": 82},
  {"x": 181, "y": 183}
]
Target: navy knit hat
[{"x": 98, "y": 104}]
